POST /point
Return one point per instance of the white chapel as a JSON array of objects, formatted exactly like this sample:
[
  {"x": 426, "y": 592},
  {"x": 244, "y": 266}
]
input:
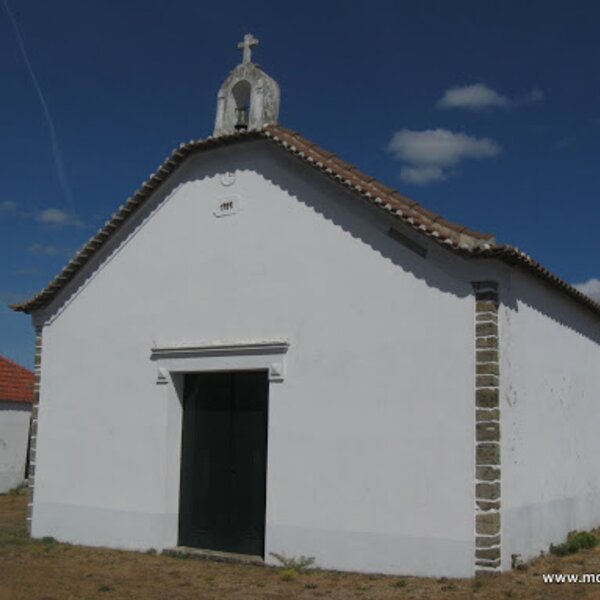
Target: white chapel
[{"x": 266, "y": 350}]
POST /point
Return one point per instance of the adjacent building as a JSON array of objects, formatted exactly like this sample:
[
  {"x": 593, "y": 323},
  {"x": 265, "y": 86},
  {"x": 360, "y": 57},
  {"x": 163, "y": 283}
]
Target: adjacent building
[{"x": 16, "y": 398}]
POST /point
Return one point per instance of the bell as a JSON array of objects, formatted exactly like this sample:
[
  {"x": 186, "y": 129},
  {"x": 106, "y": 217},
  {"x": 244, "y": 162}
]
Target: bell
[{"x": 242, "y": 118}]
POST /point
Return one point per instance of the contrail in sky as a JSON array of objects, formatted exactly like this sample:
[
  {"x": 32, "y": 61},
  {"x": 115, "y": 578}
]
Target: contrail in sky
[{"x": 60, "y": 170}]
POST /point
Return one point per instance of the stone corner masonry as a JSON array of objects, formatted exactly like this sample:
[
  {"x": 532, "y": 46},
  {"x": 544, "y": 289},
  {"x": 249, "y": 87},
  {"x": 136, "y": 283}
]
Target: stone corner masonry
[
  {"x": 487, "y": 429},
  {"x": 34, "y": 425}
]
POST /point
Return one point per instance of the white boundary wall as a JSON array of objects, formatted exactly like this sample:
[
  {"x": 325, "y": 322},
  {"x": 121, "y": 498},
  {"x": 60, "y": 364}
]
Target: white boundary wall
[{"x": 14, "y": 431}]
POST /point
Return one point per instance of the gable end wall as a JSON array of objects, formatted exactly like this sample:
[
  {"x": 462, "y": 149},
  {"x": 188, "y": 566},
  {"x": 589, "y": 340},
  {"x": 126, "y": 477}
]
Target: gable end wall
[{"x": 372, "y": 431}]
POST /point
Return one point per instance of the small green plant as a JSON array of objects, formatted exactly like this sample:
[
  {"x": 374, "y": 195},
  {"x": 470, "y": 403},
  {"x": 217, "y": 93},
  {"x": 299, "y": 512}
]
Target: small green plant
[
  {"x": 292, "y": 563},
  {"x": 289, "y": 574},
  {"x": 151, "y": 551},
  {"x": 48, "y": 539},
  {"x": 105, "y": 588},
  {"x": 576, "y": 541},
  {"x": 209, "y": 578},
  {"x": 559, "y": 549},
  {"x": 310, "y": 586},
  {"x": 582, "y": 540},
  {"x": 400, "y": 583}
]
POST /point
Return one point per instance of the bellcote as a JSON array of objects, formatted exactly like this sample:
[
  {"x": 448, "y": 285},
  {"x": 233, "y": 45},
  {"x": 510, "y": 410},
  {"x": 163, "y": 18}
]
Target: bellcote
[{"x": 248, "y": 98}]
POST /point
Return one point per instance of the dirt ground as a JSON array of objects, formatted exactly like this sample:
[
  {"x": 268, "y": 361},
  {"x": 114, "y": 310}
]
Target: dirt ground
[{"x": 47, "y": 570}]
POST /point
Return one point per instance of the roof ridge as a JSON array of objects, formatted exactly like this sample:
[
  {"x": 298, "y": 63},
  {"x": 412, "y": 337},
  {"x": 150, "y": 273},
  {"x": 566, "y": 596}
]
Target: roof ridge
[{"x": 406, "y": 208}]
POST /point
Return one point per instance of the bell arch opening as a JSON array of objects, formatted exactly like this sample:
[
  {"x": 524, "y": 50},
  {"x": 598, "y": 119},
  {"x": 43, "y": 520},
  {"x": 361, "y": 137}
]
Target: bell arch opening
[{"x": 241, "y": 93}]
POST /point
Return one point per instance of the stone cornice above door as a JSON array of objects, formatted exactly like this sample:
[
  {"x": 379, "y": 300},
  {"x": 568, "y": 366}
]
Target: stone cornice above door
[{"x": 239, "y": 355}]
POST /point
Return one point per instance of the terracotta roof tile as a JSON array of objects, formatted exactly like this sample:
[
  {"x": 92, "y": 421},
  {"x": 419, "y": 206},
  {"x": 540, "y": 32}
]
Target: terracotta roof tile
[
  {"x": 16, "y": 382},
  {"x": 454, "y": 237}
]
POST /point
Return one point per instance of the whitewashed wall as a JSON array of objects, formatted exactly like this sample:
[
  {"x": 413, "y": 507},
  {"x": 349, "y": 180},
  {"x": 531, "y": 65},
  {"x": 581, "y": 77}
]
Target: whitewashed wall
[
  {"x": 371, "y": 435},
  {"x": 14, "y": 431},
  {"x": 550, "y": 397}
]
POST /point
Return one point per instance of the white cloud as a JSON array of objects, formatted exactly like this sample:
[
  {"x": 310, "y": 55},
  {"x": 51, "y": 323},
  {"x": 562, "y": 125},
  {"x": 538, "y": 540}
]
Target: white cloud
[
  {"x": 8, "y": 206},
  {"x": 472, "y": 97},
  {"x": 590, "y": 288},
  {"x": 427, "y": 155},
  {"x": 534, "y": 96},
  {"x": 479, "y": 96},
  {"x": 44, "y": 250},
  {"x": 59, "y": 218},
  {"x": 422, "y": 174},
  {"x": 440, "y": 147}
]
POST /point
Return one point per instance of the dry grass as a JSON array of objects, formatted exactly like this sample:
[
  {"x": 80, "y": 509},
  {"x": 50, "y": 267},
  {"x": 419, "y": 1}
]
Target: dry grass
[{"x": 34, "y": 570}]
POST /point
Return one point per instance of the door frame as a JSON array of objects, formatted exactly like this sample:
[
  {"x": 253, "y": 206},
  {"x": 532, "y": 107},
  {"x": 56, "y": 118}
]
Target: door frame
[
  {"x": 232, "y": 390},
  {"x": 171, "y": 362}
]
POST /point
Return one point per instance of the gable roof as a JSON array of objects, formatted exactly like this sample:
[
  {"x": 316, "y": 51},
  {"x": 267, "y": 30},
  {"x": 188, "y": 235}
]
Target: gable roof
[
  {"x": 16, "y": 382},
  {"x": 455, "y": 237}
]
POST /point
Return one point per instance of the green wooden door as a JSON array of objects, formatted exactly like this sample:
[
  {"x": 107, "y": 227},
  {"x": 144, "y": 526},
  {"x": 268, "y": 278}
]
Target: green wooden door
[{"x": 223, "y": 461}]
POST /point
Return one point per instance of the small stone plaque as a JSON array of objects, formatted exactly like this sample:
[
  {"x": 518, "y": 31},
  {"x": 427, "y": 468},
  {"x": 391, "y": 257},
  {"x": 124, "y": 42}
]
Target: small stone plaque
[{"x": 227, "y": 206}]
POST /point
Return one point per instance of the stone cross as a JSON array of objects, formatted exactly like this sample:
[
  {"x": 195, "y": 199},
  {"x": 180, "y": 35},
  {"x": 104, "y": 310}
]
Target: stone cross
[{"x": 247, "y": 44}]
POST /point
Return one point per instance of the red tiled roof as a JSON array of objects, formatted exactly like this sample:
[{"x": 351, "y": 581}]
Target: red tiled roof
[
  {"x": 459, "y": 239},
  {"x": 16, "y": 382}
]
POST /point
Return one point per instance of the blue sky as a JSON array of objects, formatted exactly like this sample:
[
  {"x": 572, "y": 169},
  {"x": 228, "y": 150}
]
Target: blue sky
[{"x": 488, "y": 112}]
